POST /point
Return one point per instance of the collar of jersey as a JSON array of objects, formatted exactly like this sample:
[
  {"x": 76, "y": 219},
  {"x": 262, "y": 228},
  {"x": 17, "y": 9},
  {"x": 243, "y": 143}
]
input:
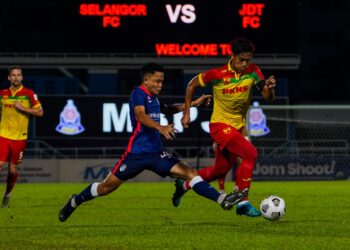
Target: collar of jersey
[
  {"x": 237, "y": 75},
  {"x": 145, "y": 90},
  {"x": 16, "y": 91}
]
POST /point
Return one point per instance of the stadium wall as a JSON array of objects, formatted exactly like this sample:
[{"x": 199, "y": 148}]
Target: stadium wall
[{"x": 89, "y": 170}]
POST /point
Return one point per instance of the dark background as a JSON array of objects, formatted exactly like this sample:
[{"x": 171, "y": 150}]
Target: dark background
[
  {"x": 56, "y": 26},
  {"x": 317, "y": 30}
]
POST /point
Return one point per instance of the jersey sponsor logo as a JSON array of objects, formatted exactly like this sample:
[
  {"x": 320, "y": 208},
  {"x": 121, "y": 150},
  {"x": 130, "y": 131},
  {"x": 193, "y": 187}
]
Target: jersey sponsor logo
[
  {"x": 154, "y": 115},
  {"x": 11, "y": 106},
  {"x": 238, "y": 89}
]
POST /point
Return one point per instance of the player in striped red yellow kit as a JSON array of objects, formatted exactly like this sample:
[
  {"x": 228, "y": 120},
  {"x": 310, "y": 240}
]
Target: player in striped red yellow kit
[
  {"x": 17, "y": 104},
  {"x": 232, "y": 86}
]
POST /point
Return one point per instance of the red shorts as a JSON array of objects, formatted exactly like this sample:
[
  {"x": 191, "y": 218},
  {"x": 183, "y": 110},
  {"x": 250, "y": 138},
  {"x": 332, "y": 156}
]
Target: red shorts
[
  {"x": 222, "y": 133},
  {"x": 12, "y": 150}
]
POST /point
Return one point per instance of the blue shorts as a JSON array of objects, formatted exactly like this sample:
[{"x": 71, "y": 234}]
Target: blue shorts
[{"x": 131, "y": 165}]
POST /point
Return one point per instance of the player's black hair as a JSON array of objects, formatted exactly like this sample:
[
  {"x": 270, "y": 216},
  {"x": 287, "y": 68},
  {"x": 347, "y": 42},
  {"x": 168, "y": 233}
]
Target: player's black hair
[
  {"x": 241, "y": 45},
  {"x": 151, "y": 68},
  {"x": 9, "y": 70}
]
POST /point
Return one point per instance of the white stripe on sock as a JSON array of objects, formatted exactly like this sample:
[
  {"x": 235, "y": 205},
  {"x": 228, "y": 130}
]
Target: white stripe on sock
[
  {"x": 195, "y": 180},
  {"x": 93, "y": 189},
  {"x": 73, "y": 203},
  {"x": 221, "y": 198}
]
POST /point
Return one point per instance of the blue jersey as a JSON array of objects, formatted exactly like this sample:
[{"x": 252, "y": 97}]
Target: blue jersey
[{"x": 144, "y": 139}]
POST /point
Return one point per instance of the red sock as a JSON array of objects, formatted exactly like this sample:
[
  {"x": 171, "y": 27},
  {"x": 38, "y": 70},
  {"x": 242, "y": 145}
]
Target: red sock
[
  {"x": 222, "y": 183},
  {"x": 11, "y": 181},
  {"x": 187, "y": 185}
]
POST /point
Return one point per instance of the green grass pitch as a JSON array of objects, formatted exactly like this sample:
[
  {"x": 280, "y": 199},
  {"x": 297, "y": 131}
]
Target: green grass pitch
[{"x": 140, "y": 216}]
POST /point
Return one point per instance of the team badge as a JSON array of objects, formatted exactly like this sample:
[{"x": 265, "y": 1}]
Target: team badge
[
  {"x": 257, "y": 121},
  {"x": 226, "y": 80},
  {"x": 70, "y": 123},
  {"x": 122, "y": 167},
  {"x": 227, "y": 130}
]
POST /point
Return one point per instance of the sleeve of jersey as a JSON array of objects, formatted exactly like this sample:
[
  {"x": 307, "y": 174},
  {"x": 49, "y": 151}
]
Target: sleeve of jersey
[
  {"x": 34, "y": 100},
  {"x": 258, "y": 74},
  {"x": 137, "y": 99},
  {"x": 208, "y": 77}
]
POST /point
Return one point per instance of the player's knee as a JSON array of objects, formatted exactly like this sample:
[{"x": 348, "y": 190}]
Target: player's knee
[
  {"x": 251, "y": 154},
  {"x": 191, "y": 173}
]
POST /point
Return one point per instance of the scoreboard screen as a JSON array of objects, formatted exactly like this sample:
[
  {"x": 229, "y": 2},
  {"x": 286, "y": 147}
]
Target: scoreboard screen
[{"x": 157, "y": 27}]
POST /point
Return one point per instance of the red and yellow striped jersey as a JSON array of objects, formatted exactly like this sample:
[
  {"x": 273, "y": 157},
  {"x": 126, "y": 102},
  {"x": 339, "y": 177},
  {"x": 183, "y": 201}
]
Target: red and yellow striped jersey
[
  {"x": 13, "y": 123},
  {"x": 232, "y": 92}
]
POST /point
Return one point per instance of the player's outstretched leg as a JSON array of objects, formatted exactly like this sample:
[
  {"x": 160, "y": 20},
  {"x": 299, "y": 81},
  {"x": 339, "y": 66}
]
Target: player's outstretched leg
[
  {"x": 219, "y": 170},
  {"x": 110, "y": 184},
  {"x": 204, "y": 189}
]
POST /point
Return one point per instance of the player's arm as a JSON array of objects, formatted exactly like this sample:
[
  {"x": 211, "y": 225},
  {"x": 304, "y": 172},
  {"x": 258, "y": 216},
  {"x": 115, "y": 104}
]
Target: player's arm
[
  {"x": 178, "y": 107},
  {"x": 191, "y": 87},
  {"x": 167, "y": 131},
  {"x": 36, "y": 111},
  {"x": 265, "y": 86}
]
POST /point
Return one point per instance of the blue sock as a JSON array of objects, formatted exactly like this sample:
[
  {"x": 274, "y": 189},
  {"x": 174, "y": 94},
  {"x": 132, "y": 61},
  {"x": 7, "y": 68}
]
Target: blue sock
[
  {"x": 87, "y": 194},
  {"x": 204, "y": 189}
]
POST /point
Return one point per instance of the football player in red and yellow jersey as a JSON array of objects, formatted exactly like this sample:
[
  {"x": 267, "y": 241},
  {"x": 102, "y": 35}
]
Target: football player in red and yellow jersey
[
  {"x": 17, "y": 104},
  {"x": 232, "y": 86}
]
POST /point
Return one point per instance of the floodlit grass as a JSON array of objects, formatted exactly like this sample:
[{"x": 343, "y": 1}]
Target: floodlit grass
[{"x": 141, "y": 216}]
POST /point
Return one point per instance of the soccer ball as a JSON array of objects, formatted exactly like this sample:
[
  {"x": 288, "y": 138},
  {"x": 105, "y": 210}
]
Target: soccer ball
[{"x": 273, "y": 207}]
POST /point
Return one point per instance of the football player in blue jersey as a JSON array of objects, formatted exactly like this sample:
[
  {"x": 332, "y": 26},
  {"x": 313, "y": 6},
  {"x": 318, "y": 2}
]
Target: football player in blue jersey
[{"x": 145, "y": 150}]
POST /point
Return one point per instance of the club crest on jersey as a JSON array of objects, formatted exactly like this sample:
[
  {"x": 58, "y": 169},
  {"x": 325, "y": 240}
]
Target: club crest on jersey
[
  {"x": 165, "y": 155},
  {"x": 226, "y": 80},
  {"x": 227, "y": 130},
  {"x": 122, "y": 167},
  {"x": 257, "y": 121},
  {"x": 149, "y": 99},
  {"x": 70, "y": 123}
]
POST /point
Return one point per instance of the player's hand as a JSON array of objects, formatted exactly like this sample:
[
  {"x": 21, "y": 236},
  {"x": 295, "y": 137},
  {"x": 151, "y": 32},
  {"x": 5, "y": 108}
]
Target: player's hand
[
  {"x": 270, "y": 82},
  {"x": 206, "y": 99},
  {"x": 19, "y": 106},
  {"x": 185, "y": 120},
  {"x": 168, "y": 131}
]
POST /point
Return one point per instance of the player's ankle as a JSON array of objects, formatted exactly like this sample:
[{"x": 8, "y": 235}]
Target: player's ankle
[{"x": 221, "y": 198}]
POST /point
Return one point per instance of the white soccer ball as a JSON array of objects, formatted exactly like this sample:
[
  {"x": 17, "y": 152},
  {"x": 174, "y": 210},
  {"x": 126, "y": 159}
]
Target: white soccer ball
[{"x": 273, "y": 207}]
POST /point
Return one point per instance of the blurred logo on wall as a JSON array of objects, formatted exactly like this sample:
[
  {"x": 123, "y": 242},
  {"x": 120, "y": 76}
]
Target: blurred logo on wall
[{"x": 70, "y": 120}]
